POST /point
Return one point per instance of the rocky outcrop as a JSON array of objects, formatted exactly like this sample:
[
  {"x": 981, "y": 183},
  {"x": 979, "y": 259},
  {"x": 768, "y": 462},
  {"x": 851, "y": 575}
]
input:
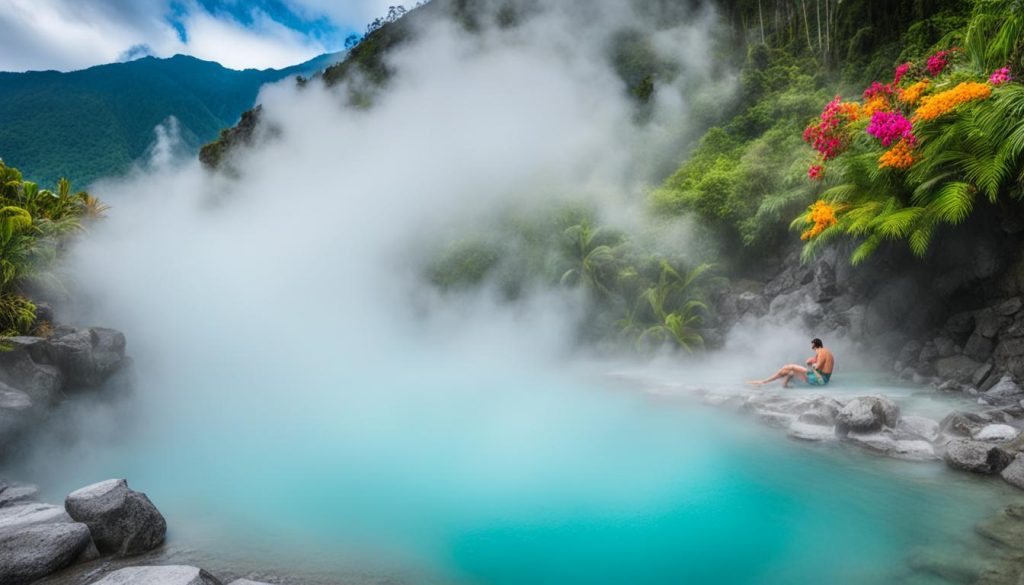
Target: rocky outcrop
[
  {"x": 36, "y": 373},
  {"x": 37, "y": 539},
  {"x": 164, "y": 575},
  {"x": 121, "y": 520},
  {"x": 86, "y": 357}
]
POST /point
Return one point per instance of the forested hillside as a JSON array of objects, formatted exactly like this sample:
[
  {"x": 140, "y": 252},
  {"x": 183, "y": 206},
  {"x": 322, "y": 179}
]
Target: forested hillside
[{"x": 95, "y": 122}]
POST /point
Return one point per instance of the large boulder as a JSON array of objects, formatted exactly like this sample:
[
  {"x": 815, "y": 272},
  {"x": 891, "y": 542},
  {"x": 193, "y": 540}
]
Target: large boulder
[
  {"x": 957, "y": 367},
  {"x": 976, "y": 456},
  {"x": 122, "y": 521},
  {"x": 821, "y": 411},
  {"x": 164, "y": 575},
  {"x": 865, "y": 414},
  {"x": 87, "y": 356},
  {"x": 28, "y": 553}
]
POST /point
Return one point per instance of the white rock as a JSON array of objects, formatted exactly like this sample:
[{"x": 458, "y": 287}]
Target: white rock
[
  {"x": 996, "y": 432},
  {"x": 808, "y": 432}
]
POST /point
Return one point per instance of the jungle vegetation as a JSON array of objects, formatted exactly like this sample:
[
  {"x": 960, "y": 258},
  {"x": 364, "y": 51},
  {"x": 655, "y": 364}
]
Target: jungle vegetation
[{"x": 35, "y": 226}]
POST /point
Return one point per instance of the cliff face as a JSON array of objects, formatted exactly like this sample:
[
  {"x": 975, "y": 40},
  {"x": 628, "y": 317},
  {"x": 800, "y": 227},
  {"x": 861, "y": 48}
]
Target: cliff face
[{"x": 954, "y": 319}]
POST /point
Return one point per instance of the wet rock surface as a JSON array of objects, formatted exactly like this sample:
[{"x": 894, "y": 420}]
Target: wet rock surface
[
  {"x": 122, "y": 521},
  {"x": 36, "y": 373},
  {"x": 977, "y": 456}
]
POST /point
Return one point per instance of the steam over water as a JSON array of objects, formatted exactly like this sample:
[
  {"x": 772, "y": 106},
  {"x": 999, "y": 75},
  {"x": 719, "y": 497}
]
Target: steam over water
[{"x": 306, "y": 406}]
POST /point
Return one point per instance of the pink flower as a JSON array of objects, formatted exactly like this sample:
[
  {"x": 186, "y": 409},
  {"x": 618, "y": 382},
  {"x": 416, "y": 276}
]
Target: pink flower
[
  {"x": 814, "y": 172},
  {"x": 1000, "y": 76},
  {"x": 938, "y": 62},
  {"x": 901, "y": 70},
  {"x": 877, "y": 89},
  {"x": 891, "y": 127}
]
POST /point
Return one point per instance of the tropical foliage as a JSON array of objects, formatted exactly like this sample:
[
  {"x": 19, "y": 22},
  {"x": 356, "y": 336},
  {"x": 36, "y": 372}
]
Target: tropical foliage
[
  {"x": 629, "y": 294},
  {"x": 35, "y": 225},
  {"x": 927, "y": 148}
]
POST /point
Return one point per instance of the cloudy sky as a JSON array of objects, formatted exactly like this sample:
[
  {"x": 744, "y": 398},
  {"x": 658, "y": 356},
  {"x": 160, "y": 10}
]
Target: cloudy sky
[{"x": 73, "y": 34}]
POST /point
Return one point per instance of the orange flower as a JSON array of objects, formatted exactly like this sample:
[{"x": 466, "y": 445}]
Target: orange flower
[
  {"x": 913, "y": 93},
  {"x": 897, "y": 157},
  {"x": 822, "y": 215},
  {"x": 849, "y": 109},
  {"x": 933, "y": 106},
  {"x": 875, "y": 104}
]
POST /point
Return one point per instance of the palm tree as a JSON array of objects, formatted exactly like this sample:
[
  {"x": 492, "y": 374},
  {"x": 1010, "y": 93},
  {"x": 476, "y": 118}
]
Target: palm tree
[
  {"x": 591, "y": 250},
  {"x": 17, "y": 245},
  {"x": 995, "y": 35},
  {"x": 681, "y": 323}
]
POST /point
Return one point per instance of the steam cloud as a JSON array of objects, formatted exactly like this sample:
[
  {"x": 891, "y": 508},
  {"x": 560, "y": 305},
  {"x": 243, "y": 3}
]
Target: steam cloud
[{"x": 284, "y": 307}]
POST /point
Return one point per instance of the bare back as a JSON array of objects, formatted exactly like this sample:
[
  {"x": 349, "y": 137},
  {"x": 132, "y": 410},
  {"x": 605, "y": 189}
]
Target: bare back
[{"x": 826, "y": 362}]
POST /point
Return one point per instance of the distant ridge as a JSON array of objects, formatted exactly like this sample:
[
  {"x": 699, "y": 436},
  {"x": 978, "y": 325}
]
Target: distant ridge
[{"x": 96, "y": 122}]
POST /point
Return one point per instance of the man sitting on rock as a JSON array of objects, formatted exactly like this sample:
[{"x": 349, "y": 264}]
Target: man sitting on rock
[{"x": 817, "y": 373}]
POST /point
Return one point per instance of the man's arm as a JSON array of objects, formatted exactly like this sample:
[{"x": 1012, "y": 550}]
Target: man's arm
[{"x": 815, "y": 360}]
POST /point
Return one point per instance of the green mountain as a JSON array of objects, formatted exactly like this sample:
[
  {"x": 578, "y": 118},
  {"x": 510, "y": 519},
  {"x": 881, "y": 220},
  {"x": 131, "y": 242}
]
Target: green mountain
[{"x": 95, "y": 122}]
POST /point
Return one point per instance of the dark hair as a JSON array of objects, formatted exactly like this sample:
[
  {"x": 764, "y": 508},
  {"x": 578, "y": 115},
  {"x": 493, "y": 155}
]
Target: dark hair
[{"x": 816, "y": 342}]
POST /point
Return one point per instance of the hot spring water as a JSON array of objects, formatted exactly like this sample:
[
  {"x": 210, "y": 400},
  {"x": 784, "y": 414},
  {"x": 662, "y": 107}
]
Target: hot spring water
[{"x": 438, "y": 473}]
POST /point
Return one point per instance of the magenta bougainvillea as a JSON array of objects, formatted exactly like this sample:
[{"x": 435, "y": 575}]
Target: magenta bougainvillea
[
  {"x": 937, "y": 62},
  {"x": 901, "y": 70},
  {"x": 829, "y": 136},
  {"x": 877, "y": 89},
  {"x": 892, "y": 110},
  {"x": 891, "y": 127},
  {"x": 1000, "y": 76}
]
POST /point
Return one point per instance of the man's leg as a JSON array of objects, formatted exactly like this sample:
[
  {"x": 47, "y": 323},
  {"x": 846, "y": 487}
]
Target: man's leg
[
  {"x": 794, "y": 370},
  {"x": 784, "y": 372}
]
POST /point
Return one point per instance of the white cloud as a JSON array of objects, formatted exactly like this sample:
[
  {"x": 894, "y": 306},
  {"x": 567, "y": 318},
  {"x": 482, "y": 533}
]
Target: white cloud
[
  {"x": 265, "y": 43},
  {"x": 68, "y": 34}
]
